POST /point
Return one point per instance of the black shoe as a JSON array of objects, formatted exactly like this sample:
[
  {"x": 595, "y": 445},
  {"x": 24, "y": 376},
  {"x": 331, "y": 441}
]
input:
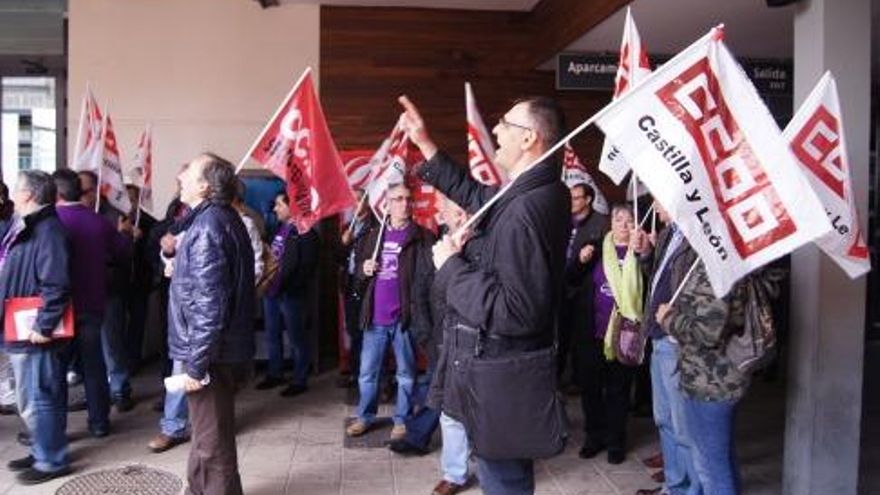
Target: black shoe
[
  {"x": 21, "y": 464},
  {"x": 616, "y": 457},
  {"x": 405, "y": 448},
  {"x": 8, "y": 410},
  {"x": 293, "y": 390},
  {"x": 24, "y": 438},
  {"x": 99, "y": 432},
  {"x": 270, "y": 382},
  {"x": 123, "y": 403},
  {"x": 159, "y": 405},
  {"x": 35, "y": 476},
  {"x": 591, "y": 449}
]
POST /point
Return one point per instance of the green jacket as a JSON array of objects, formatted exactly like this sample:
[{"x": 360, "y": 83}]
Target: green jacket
[{"x": 702, "y": 324}]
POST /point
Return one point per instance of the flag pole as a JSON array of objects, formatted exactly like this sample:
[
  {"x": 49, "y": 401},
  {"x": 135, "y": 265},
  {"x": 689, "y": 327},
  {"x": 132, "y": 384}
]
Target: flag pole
[
  {"x": 379, "y": 239},
  {"x": 82, "y": 118},
  {"x": 101, "y": 162},
  {"x": 137, "y": 215},
  {"x": 645, "y": 219},
  {"x": 274, "y": 116},
  {"x": 684, "y": 282},
  {"x": 653, "y": 220},
  {"x": 356, "y": 210},
  {"x": 634, "y": 182}
]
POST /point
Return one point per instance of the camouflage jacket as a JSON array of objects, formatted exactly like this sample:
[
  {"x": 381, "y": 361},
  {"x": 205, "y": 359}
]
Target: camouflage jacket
[{"x": 702, "y": 325}]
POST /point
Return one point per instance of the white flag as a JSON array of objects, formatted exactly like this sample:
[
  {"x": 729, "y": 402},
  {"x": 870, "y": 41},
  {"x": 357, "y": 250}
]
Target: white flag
[
  {"x": 388, "y": 168},
  {"x": 575, "y": 172},
  {"x": 142, "y": 169},
  {"x": 110, "y": 181},
  {"x": 700, "y": 138},
  {"x": 819, "y": 145},
  {"x": 632, "y": 68},
  {"x": 481, "y": 151},
  {"x": 87, "y": 152}
]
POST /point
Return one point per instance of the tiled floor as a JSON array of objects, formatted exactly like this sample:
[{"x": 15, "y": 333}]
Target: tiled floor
[{"x": 295, "y": 446}]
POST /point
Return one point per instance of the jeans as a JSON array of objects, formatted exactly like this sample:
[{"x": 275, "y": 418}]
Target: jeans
[
  {"x": 507, "y": 477},
  {"x": 113, "y": 346},
  {"x": 376, "y": 340},
  {"x": 87, "y": 340},
  {"x": 7, "y": 381},
  {"x": 711, "y": 424},
  {"x": 175, "y": 415},
  {"x": 675, "y": 443},
  {"x": 455, "y": 450},
  {"x": 281, "y": 313},
  {"x": 41, "y": 391}
]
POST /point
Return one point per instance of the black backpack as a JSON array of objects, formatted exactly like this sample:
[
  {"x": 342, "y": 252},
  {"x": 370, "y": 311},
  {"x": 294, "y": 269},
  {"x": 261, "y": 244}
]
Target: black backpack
[{"x": 754, "y": 346}]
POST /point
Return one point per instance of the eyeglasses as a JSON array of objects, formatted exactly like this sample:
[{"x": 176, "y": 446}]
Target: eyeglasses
[
  {"x": 507, "y": 123},
  {"x": 401, "y": 199}
]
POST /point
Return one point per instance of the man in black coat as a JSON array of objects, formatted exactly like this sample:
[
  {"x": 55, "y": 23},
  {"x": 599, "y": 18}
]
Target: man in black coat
[
  {"x": 34, "y": 262},
  {"x": 210, "y": 320},
  {"x": 588, "y": 228},
  {"x": 506, "y": 282}
]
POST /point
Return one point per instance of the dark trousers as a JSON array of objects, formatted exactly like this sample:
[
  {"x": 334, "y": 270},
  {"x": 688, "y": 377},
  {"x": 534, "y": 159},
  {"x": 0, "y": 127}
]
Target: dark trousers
[
  {"x": 213, "y": 459},
  {"x": 88, "y": 343},
  {"x": 506, "y": 477},
  {"x": 355, "y": 334},
  {"x": 605, "y": 399}
]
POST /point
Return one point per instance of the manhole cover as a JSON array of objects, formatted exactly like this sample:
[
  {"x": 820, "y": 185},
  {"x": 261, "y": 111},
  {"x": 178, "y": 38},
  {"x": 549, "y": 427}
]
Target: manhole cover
[{"x": 130, "y": 480}]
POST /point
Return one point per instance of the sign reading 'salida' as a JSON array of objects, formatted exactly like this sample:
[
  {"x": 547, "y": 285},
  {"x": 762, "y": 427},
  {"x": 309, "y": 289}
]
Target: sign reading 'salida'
[{"x": 596, "y": 71}]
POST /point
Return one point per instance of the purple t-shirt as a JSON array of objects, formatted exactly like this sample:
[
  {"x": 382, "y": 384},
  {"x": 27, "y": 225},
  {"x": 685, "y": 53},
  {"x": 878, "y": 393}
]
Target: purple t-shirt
[
  {"x": 603, "y": 297},
  {"x": 386, "y": 301}
]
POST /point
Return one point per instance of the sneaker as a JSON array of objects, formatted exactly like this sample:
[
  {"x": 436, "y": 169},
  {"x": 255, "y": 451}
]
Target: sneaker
[
  {"x": 33, "y": 476},
  {"x": 293, "y": 390},
  {"x": 357, "y": 428},
  {"x": 398, "y": 432},
  {"x": 162, "y": 442},
  {"x": 270, "y": 382},
  {"x": 21, "y": 464}
]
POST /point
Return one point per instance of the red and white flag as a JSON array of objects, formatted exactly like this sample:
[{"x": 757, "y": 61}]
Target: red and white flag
[
  {"x": 818, "y": 143},
  {"x": 87, "y": 151},
  {"x": 356, "y": 164},
  {"x": 296, "y": 145},
  {"x": 481, "y": 151},
  {"x": 699, "y": 136},
  {"x": 388, "y": 167},
  {"x": 575, "y": 172},
  {"x": 142, "y": 169},
  {"x": 632, "y": 68},
  {"x": 110, "y": 181}
]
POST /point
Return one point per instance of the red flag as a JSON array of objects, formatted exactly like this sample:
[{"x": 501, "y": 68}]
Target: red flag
[
  {"x": 110, "y": 181},
  {"x": 481, "y": 151},
  {"x": 297, "y": 146}
]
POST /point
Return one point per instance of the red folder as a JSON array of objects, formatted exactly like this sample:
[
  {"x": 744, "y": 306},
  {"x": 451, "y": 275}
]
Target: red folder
[{"x": 19, "y": 316}]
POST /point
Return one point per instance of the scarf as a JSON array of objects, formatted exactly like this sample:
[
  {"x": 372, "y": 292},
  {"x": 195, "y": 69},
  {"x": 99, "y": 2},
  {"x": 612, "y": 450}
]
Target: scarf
[{"x": 625, "y": 280}]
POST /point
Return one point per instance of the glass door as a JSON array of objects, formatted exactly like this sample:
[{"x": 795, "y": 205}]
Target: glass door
[{"x": 29, "y": 125}]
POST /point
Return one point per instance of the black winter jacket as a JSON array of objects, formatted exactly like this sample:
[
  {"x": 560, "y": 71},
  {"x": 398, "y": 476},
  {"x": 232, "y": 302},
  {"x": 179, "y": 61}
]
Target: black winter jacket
[
  {"x": 507, "y": 284},
  {"x": 212, "y": 295},
  {"x": 37, "y": 264},
  {"x": 299, "y": 262}
]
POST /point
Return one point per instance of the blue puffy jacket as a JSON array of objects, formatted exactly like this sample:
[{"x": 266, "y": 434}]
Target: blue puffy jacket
[
  {"x": 212, "y": 295},
  {"x": 37, "y": 264}
]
